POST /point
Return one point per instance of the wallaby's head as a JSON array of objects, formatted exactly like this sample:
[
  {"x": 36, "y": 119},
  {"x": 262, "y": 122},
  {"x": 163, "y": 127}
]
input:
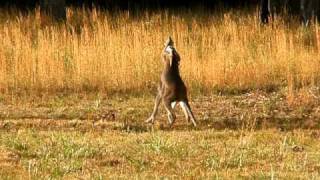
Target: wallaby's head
[{"x": 170, "y": 53}]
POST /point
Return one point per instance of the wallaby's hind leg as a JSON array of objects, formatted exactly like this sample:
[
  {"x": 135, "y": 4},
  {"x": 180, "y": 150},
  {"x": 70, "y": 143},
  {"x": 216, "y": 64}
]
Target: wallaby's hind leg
[
  {"x": 151, "y": 119},
  {"x": 171, "y": 115},
  {"x": 188, "y": 113},
  {"x": 173, "y": 104},
  {"x": 185, "y": 111}
]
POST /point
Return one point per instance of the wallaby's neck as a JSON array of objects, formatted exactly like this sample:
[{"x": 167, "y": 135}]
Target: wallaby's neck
[{"x": 173, "y": 69}]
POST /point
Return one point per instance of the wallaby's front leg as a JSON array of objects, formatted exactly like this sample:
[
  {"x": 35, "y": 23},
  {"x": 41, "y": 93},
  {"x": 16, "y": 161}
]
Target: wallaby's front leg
[{"x": 151, "y": 119}]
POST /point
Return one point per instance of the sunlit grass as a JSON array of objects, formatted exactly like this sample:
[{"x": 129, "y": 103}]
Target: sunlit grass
[
  {"x": 192, "y": 154},
  {"x": 103, "y": 52}
]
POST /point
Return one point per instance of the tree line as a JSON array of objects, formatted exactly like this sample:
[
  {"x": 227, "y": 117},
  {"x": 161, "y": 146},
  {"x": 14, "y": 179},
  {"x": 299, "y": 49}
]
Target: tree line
[{"x": 56, "y": 8}]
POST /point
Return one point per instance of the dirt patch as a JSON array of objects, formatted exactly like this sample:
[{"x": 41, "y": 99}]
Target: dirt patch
[
  {"x": 10, "y": 164},
  {"x": 256, "y": 110},
  {"x": 8, "y": 158},
  {"x": 51, "y": 124}
]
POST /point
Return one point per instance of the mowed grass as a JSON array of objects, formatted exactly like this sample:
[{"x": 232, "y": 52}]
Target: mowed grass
[
  {"x": 120, "y": 51},
  {"x": 227, "y": 154},
  {"x": 250, "y": 136}
]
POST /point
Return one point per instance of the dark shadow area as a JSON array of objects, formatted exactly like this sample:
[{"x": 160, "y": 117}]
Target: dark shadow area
[
  {"x": 233, "y": 124},
  {"x": 277, "y": 6},
  {"x": 85, "y": 125},
  {"x": 137, "y": 4}
]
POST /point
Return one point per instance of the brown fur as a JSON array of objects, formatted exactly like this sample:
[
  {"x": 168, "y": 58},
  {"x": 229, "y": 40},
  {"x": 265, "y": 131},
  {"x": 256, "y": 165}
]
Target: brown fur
[{"x": 171, "y": 89}]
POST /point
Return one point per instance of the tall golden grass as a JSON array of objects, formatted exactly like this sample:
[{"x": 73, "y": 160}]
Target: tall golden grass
[{"x": 102, "y": 52}]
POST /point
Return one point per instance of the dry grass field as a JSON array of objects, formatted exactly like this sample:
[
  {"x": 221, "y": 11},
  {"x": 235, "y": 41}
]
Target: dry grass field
[
  {"x": 103, "y": 52},
  {"x": 74, "y": 97}
]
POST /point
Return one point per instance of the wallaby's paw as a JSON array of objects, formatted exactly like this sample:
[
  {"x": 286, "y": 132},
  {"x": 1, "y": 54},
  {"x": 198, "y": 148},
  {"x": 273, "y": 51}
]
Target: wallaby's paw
[
  {"x": 194, "y": 124},
  {"x": 150, "y": 120},
  {"x": 171, "y": 123}
]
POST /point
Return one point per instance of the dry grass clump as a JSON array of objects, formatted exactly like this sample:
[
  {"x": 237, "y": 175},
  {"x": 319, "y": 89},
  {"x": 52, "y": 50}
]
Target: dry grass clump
[{"x": 100, "y": 51}]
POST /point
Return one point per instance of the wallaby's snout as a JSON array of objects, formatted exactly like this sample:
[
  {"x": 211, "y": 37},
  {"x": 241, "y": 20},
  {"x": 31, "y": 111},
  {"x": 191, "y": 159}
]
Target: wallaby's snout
[
  {"x": 172, "y": 89},
  {"x": 169, "y": 45}
]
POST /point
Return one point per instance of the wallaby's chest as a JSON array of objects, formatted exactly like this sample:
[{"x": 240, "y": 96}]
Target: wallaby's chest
[{"x": 171, "y": 78}]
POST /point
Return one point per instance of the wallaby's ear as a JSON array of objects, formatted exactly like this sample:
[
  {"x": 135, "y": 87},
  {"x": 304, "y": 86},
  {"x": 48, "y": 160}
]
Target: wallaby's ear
[{"x": 169, "y": 42}]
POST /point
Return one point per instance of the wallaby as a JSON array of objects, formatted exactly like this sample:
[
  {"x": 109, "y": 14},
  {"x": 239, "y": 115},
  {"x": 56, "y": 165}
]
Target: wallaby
[{"x": 171, "y": 90}]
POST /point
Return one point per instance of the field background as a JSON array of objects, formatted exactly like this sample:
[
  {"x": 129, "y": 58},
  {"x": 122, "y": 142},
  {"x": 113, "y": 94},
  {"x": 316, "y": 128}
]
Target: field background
[
  {"x": 121, "y": 52},
  {"x": 74, "y": 96}
]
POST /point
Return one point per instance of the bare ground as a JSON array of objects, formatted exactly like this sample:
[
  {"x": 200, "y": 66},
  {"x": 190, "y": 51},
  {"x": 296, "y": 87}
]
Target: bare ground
[{"x": 256, "y": 110}]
